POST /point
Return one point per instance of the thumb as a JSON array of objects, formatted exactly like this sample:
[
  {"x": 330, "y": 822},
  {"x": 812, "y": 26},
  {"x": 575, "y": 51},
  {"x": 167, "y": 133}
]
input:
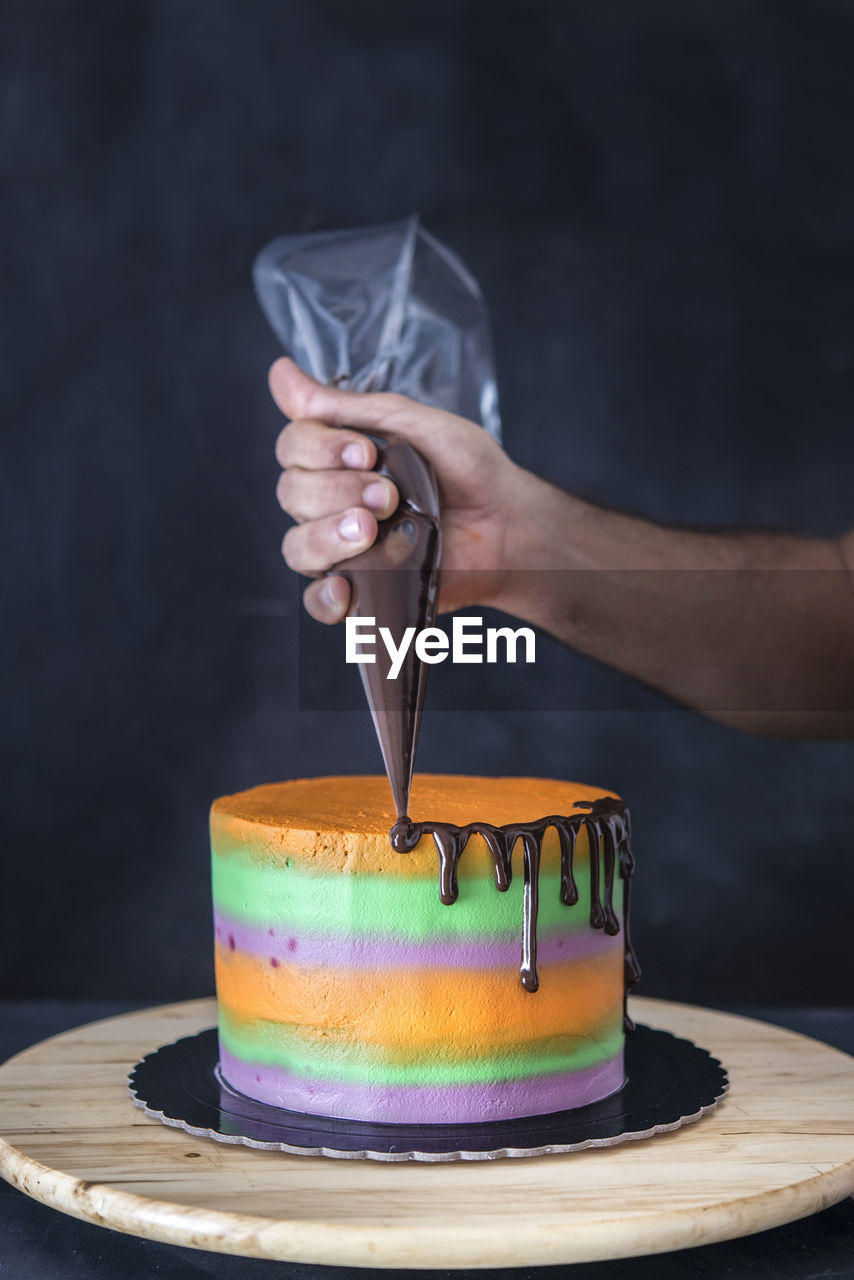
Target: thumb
[{"x": 300, "y": 396}]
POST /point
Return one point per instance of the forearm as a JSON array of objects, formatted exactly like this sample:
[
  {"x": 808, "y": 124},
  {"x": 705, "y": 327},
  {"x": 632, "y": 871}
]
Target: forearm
[
  {"x": 753, "y": 629},
  {"x": 756, "y": 630}
]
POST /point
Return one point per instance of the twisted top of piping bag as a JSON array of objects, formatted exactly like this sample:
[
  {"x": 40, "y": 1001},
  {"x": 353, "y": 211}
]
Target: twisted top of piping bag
[{"x": 383, "y": 308}]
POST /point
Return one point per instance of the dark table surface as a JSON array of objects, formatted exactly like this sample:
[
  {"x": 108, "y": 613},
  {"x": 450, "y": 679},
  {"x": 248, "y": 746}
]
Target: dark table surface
[{"x": 37, "y": 1243}]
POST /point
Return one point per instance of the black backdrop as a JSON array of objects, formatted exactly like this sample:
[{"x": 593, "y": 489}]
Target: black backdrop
[{"x": 659, "y": 202}]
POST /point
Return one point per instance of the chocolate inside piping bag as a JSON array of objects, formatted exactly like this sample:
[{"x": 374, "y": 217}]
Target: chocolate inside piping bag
[{"x": 396, "y": 582}]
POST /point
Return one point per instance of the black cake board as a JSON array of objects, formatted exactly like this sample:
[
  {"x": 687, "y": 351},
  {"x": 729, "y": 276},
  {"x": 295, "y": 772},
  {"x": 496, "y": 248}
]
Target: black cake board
[{"x": 669, "y": 1082}]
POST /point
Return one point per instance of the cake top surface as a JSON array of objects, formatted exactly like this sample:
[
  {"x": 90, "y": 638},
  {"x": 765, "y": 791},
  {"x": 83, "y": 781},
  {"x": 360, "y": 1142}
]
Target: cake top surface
[
  {"x": 343, "y": 823},
  {"x": 363, "y": 804}
]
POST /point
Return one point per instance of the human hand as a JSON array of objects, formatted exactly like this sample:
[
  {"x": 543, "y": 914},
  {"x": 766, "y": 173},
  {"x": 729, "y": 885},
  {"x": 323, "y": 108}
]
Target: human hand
[{"x": 328, "y": 487}]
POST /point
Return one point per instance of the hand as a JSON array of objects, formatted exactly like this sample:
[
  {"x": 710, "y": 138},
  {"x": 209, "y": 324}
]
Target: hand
[{"x": 328, "y": 487}]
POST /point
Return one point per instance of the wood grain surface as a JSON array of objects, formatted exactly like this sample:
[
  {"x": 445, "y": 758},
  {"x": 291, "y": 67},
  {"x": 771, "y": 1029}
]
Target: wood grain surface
[{"x": 779, "y": 1147}]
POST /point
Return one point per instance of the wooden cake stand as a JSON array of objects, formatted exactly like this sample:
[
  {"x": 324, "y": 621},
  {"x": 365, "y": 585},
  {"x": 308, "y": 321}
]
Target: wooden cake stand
[{"x": 780, "y": 1146}]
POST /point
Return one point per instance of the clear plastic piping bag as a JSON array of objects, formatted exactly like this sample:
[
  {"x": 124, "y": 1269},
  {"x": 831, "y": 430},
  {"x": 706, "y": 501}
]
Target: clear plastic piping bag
[{"x": 383, "y": 308}]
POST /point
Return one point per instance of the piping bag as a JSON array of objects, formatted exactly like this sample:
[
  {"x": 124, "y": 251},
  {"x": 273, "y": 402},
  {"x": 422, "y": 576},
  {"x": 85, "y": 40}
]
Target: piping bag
[{"x": 388, "y": 308}]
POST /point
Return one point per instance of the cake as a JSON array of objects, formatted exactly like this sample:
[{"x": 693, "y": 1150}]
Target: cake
[{"x": 412, "y": 984}]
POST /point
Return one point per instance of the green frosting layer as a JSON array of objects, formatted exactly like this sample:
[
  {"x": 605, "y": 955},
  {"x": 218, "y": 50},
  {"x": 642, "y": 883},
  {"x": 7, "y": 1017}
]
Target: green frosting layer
[
  {"x": 371, "y": 905},
  {"x": 281, "y": 1045}
]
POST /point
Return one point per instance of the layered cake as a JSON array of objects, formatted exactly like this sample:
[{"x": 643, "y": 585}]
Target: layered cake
[{"x": 467, "y": 970}]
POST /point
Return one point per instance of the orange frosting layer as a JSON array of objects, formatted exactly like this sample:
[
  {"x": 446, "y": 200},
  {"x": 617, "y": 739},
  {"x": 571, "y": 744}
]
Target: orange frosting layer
[
  {"x": 417, "y": 1008},
  {"x": 343, "y": 823}
]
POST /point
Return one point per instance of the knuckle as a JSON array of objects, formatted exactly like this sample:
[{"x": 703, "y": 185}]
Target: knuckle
[
  {"x": 314, "y": 445},
  {"x": 310, "y": 401},
  {"x": 283, "y": 446},
  {"x": 331, "y": 446},
  {"x": 322, "y": 540},
  {"x": 332, "y": 492},
  {"x": 339, "y": 490},
  {"x": 292, "y": 490},
  {"x": 283, "y": 490},
  {"x": 292, "y": 550},
  {"x": 287, "y": 550},
  {"x": 395, "y": 401}
]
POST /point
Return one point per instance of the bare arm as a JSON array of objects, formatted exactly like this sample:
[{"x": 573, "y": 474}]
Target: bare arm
[
  {"x": 752, "y": 629},
  {"x": 755, "y": 630}
]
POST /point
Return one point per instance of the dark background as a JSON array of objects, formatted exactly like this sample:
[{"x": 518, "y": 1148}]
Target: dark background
[{"x": 658, "y": 199}]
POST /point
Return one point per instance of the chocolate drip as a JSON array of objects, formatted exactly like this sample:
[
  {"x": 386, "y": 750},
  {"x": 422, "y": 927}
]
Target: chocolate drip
[
  {"x": 594, "y": 841},
  {"x": 568, "y": 888},
  {"x": 609, "y": 844},
  {"x": 531, "y": 847},
  {"x": 609, "y": 835}
]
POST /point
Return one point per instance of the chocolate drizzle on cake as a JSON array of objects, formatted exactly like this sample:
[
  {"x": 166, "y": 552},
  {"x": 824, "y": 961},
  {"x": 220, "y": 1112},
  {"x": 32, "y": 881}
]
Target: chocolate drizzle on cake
[{"x": 608, "y": 830}]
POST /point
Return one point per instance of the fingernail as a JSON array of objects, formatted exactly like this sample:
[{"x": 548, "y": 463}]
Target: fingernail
[
  {"x": 376, "y": 495},
  {"x": 334, "y": 594},
  {"x": 354, "y": 455},
  {"x": 349, "y": 527}
]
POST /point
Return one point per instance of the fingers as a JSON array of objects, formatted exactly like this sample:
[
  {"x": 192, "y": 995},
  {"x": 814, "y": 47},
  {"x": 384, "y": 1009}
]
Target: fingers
[
  {"x": 317, "y": 545},
  {"x": 299, "y": 396},
  {"x": 327, "y": 599},
  {"x": 463, "y": 454},
  {"x": 310, "y": 495},
  {"x": 309, "y": 444},
  {"x": 328, "y": 487}
]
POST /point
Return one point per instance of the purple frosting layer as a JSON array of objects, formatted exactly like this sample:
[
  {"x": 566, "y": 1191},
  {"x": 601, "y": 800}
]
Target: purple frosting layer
[
  {"x": 280, "y": 945},
  {"x": 424, "y": 1104}
]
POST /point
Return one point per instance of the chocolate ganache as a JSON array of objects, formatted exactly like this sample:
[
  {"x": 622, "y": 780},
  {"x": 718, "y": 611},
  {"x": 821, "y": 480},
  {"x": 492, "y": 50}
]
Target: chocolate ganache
[{"x": 608, "y": 829}]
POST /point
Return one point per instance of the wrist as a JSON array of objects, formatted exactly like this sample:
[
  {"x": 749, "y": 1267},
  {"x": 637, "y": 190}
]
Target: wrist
[{"x": 536, "y": 525}]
